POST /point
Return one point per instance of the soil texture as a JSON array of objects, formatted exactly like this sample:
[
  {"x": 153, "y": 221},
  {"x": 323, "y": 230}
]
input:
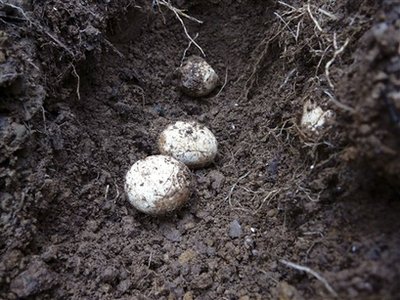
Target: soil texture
[{"x": 284, "y": 212}]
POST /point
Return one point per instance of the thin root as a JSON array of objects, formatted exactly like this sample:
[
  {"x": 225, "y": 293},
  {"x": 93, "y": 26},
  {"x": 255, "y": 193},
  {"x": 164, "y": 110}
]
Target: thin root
[
  {"x": 39, "y": 27},
  {"x": 225, "y": 81},
  {"x": 313, "y": 18},
  {"x": 337, "y": 52},
  {"x": 78, "y": 83},
  {"x": 229, "y": 197},
  {"x": 178, "y": 13},
  {"x": 339, "y": 104},
  {"x": 106, "y": 192},
  {"x": 187, "y": 49},
  {"x": 311, "y": 272}
]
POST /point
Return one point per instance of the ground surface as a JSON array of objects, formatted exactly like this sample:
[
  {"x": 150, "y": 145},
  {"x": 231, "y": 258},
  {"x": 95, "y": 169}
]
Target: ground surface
[{"x": 87, "y": 87}]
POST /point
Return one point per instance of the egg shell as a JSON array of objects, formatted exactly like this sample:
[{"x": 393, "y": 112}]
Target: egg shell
[
  {"x": 189, "y": 142},
  {"x": 158, "y": 184},
  {"x": 198, "y": 78},
  {"x": 314, "y": 118}
]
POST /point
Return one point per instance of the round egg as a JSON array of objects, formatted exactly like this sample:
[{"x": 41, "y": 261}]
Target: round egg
[
  {"x": 314, "y": 118},
  {"x": 198, "y": 78},
  {"x": 158, "y": 184},
  {"x": 189, "y": 142}
]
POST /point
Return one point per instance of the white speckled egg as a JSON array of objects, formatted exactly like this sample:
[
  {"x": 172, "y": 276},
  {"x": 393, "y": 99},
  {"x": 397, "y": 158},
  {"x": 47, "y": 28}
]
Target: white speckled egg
[
  {"x": 158, "y": 184},
  {"x": 189, "y": 142},
  {"x": 198, "y": 78},
  {"x": 314, "y": 118}
]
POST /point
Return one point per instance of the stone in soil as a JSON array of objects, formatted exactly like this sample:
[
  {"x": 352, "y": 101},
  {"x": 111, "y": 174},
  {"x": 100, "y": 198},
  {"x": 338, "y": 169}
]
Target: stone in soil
[{"x": 35, "y": 279}]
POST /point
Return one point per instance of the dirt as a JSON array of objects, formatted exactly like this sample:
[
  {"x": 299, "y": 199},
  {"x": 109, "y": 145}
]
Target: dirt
[
  {"x": 376, "y": 74},
  {"x": 87, "y": 87}
]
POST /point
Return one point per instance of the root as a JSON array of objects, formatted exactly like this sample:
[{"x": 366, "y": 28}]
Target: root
[
  {"x": 269, "y": 197},
  {"x": 291, "y": 15},
  {"x": 295, "y": 35},
  {"x": 106, "y": 192},
  {"x": 117, "y": 190},
  {"x": 38, "y": 27},
  {"x": 179, "y": 14},
  {"x": 339, "y": 104},
  {"x": 78, "y": 83},
  {"x": 109, "y": 44},
  {"x": 287, "y": 78},
  {"x": 307, "y": 193},
  {"x": 335, "y": 54},
  {"x": 229, "y": 197},
  {"x": 324, "y": 42},
  {"x": 249, "y": 84},
  {"x": 311, "y": 272},
  {"x": 225, "y": 81},
  {"x": 44, "y": 118},
  {"x": 58, "y": 42},
  {"x": 20, "y": 10},
  {"x": 44, "y": 31},
  {"x": 187, "y": 49},
  {"x": 313, "y": 18}
]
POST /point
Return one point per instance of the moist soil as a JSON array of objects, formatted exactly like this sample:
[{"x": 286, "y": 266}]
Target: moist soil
[{"x": 283, "y": 213}]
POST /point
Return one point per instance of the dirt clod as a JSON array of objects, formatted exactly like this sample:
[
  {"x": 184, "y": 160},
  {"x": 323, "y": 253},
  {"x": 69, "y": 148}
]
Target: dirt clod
[
  {"x": 235, "y": 230},
  {"x": 35, "y": 279}
]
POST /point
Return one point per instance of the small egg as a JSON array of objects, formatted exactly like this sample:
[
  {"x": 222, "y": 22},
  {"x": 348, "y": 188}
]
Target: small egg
[
  {"x": 198, "y": 78},
  {"x": 158, "y": 184},
  {"x": 189, "y": 142},
  {"x": 314, "y": 118}
]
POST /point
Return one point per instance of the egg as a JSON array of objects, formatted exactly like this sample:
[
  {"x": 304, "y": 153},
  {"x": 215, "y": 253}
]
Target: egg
[
  {"x": 198, "y": 78},
  {"x": 190, "y": 143},
  {"x": 158, "y": 185},
  {"x": 314, "y": 118}
]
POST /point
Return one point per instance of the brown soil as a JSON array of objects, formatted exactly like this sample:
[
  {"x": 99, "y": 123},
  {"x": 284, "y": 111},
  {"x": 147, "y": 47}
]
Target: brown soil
[{"x": 86, "y": 88}]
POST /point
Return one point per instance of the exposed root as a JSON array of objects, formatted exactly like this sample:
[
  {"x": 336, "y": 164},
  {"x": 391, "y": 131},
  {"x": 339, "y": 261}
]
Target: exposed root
[
  {"x": 78, "y": 83},
  {"x": 308, "y": 193},
  {"x": 38, "y": 27},
  {"x": 311, "y": 272},
  {"x": 44, "y": 118},
  {"x": 339, "y": 104},
  {"x": 20, "y": 10},
  {"x": 58, "y": 42},
  {"x": 106, "y": 192},
  {"x": 264, "y": 45},
  {"x": 229, "y": 197},
  {"x": 295, "y": 35},
  {"x": 313, "y": 18},
  {"x": 109, "y": 44},
  {"x": 289, "y": 75},
  {"x": 225, "y": 82},
  {"x": 179, "y": 14},
  {"x": 187, "y": 49},
  {"x": 293, "y": 20},
  {"x": 117, "y": 190},
  {"x": 323, "y": 39},
  {"x": 268, "y": 197},
  {"x": 332, "y": 60}
]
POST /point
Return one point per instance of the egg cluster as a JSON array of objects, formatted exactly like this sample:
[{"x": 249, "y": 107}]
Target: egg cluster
[{"x": 160, "y": 184}]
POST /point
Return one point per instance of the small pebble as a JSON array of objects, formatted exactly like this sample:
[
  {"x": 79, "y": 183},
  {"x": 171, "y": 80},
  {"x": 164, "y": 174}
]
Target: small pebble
[{"x": 235, "y": 230}]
